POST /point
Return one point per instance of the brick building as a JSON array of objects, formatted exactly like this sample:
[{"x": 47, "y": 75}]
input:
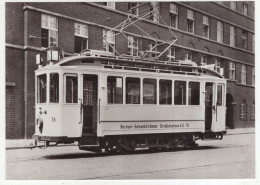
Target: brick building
[{"x": 220, "y": 33}]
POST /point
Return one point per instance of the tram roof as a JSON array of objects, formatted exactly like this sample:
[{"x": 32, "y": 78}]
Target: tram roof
[{"x": 120, "y": 61}]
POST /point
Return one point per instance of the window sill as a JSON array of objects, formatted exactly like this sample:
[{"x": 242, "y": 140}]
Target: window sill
[{"x": 246, "y": 85}]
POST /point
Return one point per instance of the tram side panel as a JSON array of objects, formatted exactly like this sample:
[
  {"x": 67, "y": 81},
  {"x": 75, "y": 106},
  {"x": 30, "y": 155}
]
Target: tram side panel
[
  {"x": 142, "y": 119},
  {"x": 48, "y": 120}
]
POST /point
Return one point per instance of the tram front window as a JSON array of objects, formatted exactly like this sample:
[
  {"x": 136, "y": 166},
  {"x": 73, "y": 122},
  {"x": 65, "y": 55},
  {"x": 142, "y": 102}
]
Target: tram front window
[
  {"x": 114, "y": 90},
  {"x": 71, "y": 89},
  {"x": 180, "y": 93},
  {"x": 194, "y": 93},
  {"x": 54, "y": 88},
  {"x": 41, "y": 88},
  {"x": 132, "y": 90}
]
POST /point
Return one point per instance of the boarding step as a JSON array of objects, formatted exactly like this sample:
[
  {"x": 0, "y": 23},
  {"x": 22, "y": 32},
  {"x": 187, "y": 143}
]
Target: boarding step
[{"x": 90, "y": 140}]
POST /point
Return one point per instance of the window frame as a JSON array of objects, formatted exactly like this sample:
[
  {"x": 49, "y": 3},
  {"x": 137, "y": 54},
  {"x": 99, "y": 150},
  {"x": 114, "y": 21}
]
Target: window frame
[
  {"x": 233, "y": 5},
  {"x": 204, "y": 60},
  {"x": 190, "y": 93},
  {"x": 122, "y": 89},
  {"x": 243, "y": 74},
  {"x": 217, "y": 65},
  {"x": 245, "y": 9},
  {"x": 169, "y": 98},
  {"x": 130, "y": 6},
  {"x": 232, "y": 35},
  {"x": 220, "y": 31},
  {"x": 174, "y": 14},
  {"x": 58, "y": 88},
  {"x": 243, "y": 110},
  {"x": 190, "y": 21},
  {"x": 126, "y": 90},
  {"x": 132, "y": 48},
  {"x": 183, "y": 95},
  {"x": 232, "y": 70},
  {"x": 149, "y": 81},
  {"x": 205, "y": 22},
  {"x": 107, "y": 43},
  {"x": 49, "y": 28},
  {"x": 65, "y": 87},
  {"x": 188, "y": 55},
  {"x": 39, "y": 91}
]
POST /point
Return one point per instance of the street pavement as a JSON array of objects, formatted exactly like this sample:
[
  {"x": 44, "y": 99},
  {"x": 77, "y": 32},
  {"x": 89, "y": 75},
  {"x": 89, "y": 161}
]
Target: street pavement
[
  {"x": 230, "y": 158},
  {"x": 23, "y": 143}
]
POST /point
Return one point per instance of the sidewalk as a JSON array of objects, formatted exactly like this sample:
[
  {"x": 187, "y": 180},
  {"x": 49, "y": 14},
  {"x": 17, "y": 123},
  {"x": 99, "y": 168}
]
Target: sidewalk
[{"x": 23, "y": 143}]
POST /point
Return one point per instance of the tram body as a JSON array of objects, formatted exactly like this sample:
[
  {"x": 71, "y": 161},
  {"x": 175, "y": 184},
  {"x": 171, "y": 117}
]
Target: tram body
[{"x": 106, "y": 102}]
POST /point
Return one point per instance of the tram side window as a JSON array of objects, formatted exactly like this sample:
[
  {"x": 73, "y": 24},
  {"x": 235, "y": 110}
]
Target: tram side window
[
  {"x": 179, "y": 93},
  {"x": 54, "y": 88},
  {"x": 71, "y": 89},
  {"x": 194, "y": 93},
  {"x": 132, "y": 90},
  {"x": 114, "y": 90},
  {"x": 149, "y": 91},
  {"x": 41, "y": 88},
  {"x": 165, "y": 92},
  {"x": 220, "y": 95}
]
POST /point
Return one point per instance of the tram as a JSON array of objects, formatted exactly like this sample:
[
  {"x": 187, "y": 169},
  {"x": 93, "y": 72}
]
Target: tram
[{"x": 107, "y": 103}]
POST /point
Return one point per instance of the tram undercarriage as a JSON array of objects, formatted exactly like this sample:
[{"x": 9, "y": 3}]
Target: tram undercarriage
[{"x": 128, "y": 143}]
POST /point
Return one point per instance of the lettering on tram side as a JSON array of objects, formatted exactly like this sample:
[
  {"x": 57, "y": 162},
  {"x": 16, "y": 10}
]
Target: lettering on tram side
[{"x": 129, "y": 126}]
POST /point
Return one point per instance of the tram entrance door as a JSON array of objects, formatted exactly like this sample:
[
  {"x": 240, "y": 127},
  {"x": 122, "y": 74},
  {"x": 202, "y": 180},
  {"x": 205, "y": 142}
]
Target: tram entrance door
[
  {"x": 90, "y": 86},
  {"x": 209, "y": 105}
]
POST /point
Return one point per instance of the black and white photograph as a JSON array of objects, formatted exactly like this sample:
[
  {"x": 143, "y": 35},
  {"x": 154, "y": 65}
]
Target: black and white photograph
[{"x": 160, "y": 91}]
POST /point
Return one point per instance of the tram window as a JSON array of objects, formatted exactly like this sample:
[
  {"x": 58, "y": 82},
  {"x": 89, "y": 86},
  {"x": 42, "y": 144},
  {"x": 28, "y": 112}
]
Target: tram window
[
  {"x": 132, "y": 90},
  {"x": 41, "y": 88},
  {"x": 114, "y": 90},
  {"x": 194, "y": 93},
  {"x": 220, "y": 95},
  {"x": 180, "y": 93},
  {"x": 149, "y": 91},
  {"x": 54, "y": 88},
  {"x": 71, "y": 89},
  {"x": 165, "y": 92}
]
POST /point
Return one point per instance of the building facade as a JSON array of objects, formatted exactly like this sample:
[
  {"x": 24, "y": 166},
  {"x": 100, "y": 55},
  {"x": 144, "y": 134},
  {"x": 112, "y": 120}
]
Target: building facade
[{"x": 220, "y": 33}]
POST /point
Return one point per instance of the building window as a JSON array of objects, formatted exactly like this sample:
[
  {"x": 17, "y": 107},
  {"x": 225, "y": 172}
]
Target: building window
[
  {"x": 132, "y": 90},
  {"x": 81, "y": 37},
  {"x": 149, "y": 91},
  {"x": 132, "y": 46},
  {"x": 41, "y": 88},
  {"x": 154, "y": 15},
  {"x": 232, "y": 70},
  {"x": 203, "y": 60},
  {"x": 109, "y": 4},
  {"x": 109, "y": 41},
  {"x": 190, "y": 21},
  {"x": 205, "y": 26},
  {"x": 188, "y": 55},
  {"x": 133, "y": 9},
  {"x": 253, "y": 76},
  {"x": 245, "y": 9},
  {"x": 244, "y": 39},
  {"x": 194, "y": 93},
  {"x": 171, "y": 53},
  {"x": 49, "y": 31},
  {"x": 54, "y": 88},
  {"x": 243, "y": 74},
  {"x": 219, "y": 31},
  {"x": 253, "y": 111},
  {"x": 232, "y": 36},
  {"x": 243, "y": 110},
  {"x": 71, "y": 89},
  {"x": 152, "y": 47},
  {"x": 217, "y": 65},
  {"x": 179, "y": 93},
  {"x": 233, "y": 5},
  {"x": 165, "y": 92},
  {"x": 114, "y": 90},
  {"x": 174, "y": 15}
]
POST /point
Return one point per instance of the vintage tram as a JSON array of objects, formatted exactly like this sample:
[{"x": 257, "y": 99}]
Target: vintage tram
[{"x": 120, "y": 103}]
